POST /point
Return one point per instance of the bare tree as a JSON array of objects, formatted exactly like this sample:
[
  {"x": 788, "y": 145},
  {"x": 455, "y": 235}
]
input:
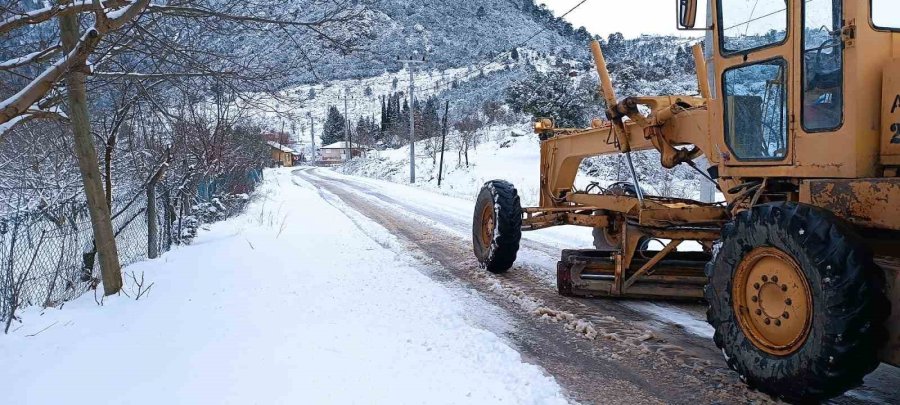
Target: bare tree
[
  {"x": 143, "y": 61},
  {"x": 468, "y": 129}
]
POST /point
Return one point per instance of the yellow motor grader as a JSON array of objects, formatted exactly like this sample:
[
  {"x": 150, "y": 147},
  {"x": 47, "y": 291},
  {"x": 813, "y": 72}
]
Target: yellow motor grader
[{"x": 798, "y": 115}]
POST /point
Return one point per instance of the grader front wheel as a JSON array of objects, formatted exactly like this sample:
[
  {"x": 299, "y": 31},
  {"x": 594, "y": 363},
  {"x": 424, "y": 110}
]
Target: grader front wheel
[
  {"x": 796, "y": 301},
  {"x": 497, "y": 226},
  {"x": 772, "y": 301}
]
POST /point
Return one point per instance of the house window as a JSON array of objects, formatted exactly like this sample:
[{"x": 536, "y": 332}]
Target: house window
[
  {"x": 746, "y": 25},
  {"x": 756, "y": 110}
]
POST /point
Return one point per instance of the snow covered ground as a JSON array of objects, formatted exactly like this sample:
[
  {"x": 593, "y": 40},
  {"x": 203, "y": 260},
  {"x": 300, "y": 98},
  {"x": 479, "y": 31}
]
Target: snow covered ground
[
  {"x": 288, "y": 303},
  {"x": 507, "y": 152}
]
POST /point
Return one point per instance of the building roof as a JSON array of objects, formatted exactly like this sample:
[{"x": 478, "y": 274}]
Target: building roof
[
  {"x": 343, "y": 145},
  {"x": 280, "y": 147}
]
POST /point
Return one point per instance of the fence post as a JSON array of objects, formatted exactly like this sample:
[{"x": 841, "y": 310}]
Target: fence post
[
  {"x": 152, "y": 226},
  {"x": 168, "y": 217},
  {"x": 152, "y": 218}
]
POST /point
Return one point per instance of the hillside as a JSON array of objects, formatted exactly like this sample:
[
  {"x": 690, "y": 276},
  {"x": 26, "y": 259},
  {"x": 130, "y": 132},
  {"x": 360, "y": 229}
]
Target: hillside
[
  {"x": 504, "y": 147},
  {"x": 405, "y": 27}
]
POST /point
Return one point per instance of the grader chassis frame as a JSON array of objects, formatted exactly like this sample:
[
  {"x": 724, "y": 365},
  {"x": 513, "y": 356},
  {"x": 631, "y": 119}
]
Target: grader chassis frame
[{"x": 821, "y": 203}]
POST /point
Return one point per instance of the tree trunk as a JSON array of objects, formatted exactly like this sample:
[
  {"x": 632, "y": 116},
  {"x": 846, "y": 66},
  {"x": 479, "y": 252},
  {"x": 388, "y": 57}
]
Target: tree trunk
[{"x": 79, "y": 115}]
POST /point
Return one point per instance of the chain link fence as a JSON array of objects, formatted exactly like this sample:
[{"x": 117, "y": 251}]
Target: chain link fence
[{"x": 47, "y": 255}]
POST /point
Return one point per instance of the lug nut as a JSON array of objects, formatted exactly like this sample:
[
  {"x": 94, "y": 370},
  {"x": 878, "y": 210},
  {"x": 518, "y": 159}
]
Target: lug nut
[
  {"x": 756, "y": 286},
  {"x": 785, "y": 315},
  {"x": 788, "y": 301},
  {"x": 758, "y": 311},
  {"x": 754, "y": 298},
  {"x": 778, "y": 322},
  {"x": 774, "y": 279},
  {"x": 784, "y": 287},
  {"x": 765, "y": 278},
  {"x": 767, "y": 321}
]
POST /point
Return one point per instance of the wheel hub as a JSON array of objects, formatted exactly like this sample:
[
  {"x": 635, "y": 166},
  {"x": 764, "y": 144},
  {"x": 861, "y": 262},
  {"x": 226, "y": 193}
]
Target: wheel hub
[
  {"x": 487, "y": 226},
  {"x": 772, "y": 301}
]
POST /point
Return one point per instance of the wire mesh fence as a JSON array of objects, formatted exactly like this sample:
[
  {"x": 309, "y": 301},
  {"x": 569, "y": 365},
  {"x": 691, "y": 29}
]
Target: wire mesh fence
[{"x": 47, "y": 256}]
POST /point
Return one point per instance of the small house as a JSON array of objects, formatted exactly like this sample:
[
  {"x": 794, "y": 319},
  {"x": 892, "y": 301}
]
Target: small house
[
  {"x": 337, "y": 152},
  {"x": 283, "y": 155}
]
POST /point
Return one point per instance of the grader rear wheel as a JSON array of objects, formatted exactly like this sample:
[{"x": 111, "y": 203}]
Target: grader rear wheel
[
  {"x": 796, "y": 301},
  {"x": 497, "y": 226}
]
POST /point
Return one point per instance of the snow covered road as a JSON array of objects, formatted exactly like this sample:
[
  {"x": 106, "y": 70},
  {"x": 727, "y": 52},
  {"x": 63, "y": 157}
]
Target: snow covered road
[{"x": 289, "y": 303}]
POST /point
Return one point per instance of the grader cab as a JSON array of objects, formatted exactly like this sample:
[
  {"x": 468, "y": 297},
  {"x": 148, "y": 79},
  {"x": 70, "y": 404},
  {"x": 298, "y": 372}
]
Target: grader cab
[{"x": 798, "y": 115}]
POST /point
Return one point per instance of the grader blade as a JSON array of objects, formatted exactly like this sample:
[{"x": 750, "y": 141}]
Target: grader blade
[{"x": 598, "y": 273}]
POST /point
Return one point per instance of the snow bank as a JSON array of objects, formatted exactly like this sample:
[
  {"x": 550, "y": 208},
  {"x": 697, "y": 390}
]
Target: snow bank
[{"x": 288, "y": 303}]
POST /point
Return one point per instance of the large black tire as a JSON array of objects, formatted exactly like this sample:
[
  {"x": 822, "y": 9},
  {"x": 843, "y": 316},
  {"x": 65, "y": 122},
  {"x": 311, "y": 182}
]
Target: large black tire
[
  {"x": 600, "y": 240},
  {"x": 599, "y": 234},
  {"x": 496, "y": 249},
  {"x": 849, "y": 307}
]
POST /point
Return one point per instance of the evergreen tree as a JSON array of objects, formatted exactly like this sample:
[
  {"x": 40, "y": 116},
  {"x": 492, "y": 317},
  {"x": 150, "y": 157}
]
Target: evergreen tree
[
  {"x": 334, "y": 127},
  {"x": 402, "y": 125},
  {"x": 553, "y": 94},
  {"x": 615, "y": 44},
  {"x": 431, "y": 121},
  {"x": 384, "y": 115}
]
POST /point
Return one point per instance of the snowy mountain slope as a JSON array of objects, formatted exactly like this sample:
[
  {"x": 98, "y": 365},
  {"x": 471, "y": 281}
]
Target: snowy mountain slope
[{"x": 451, "y": 34}]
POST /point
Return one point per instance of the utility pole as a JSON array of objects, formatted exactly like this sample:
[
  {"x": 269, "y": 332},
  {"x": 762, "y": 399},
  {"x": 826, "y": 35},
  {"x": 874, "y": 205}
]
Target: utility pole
[
  {"x": 312, "y": 137},
  {"x": 349, "y": 138},
  {"x": 411, "y": 65},
  {"x": 443, "y": 138},
  {"x": 347, "y": 127}
]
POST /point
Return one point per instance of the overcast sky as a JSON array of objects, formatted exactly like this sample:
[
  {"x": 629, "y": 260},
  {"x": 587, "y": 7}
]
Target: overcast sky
[{"x": 603, "y": 17}]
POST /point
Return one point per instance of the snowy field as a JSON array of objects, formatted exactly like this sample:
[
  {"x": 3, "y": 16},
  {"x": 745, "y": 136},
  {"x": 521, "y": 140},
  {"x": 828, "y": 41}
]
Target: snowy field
[{"x": 288, "y": 303}]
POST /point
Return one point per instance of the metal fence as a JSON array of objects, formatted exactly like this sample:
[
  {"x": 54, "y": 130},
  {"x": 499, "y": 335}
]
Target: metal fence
[{"x": 46, "y": 254}]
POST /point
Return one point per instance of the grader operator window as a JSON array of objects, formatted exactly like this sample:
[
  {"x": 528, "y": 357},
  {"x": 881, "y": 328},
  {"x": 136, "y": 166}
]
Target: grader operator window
[
  {"x": 746, "y": 25},
  {"x": 756, "y": 110},
  {"x": 886, "y": 14},
  {"x": 823, "y": 96}
]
